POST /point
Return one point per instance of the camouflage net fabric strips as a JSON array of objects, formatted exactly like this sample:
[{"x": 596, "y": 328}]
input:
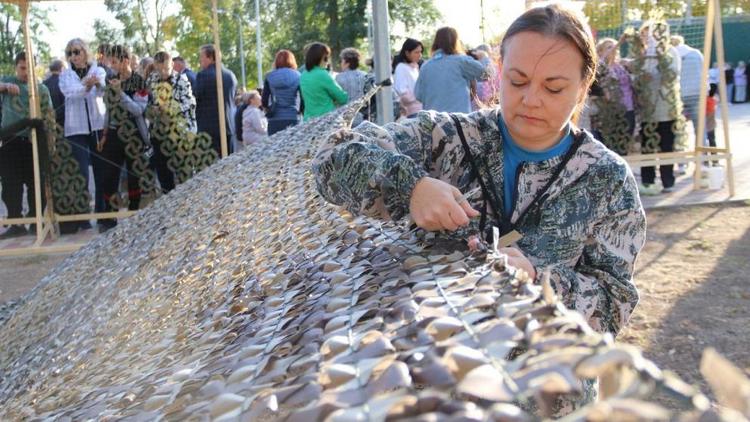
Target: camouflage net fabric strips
[
  {"x": 187, "y": 153},
  {"x": 668, "y": 88},
  {"x": 243, "y": 295},
  {"x": 128, "y": 134},
  {"x": 69, "y": 189},
  {"x": 610, "y": 118}
]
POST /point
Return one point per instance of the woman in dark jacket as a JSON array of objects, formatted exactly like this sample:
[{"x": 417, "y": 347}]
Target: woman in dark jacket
[{"x": 281, "y": 95}]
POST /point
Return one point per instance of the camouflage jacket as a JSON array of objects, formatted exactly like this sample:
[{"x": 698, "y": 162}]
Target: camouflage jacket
[{"x": 587, "y": 231}]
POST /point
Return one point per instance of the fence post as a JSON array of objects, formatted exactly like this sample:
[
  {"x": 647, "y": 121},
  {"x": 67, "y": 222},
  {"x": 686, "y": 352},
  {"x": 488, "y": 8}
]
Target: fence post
[
  {"x": 219, "y": 84},
  {"x": 34, "y": 113}
]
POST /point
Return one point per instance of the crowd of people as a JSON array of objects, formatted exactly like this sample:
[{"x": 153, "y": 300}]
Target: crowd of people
[
  {"x": 641, "y": 103},
  {"x": 90, "y": 120},
  {"x": 645, "y": 94}
]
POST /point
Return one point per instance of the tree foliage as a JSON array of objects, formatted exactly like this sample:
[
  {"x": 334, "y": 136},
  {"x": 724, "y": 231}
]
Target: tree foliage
[
  {"x": 609, "y": 14},
  {"x": 286, "y": 24},
  {"x": 11, "y": 34},
  {"x": 146, "y": 25}
]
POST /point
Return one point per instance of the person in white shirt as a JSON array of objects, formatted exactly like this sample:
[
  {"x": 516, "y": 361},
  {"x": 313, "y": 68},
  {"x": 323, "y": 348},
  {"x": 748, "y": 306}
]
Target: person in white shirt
[
  {"x": 254, "y": 124},
  {"x": 690, "y": 79},
  {"x": 83, "y": 85},
  {"x": 406, "y": 73}
]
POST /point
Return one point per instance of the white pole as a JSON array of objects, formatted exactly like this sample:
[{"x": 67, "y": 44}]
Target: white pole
[
  {"x": 258, "y": 54},
  {"x": 382, "y": 59},
  {"x": 242, "y": 50}
]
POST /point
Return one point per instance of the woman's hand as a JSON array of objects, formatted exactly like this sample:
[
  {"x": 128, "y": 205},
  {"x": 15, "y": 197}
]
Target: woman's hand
[
  {"x": 436, "y": 205},
  {"x": 517, "y": 259}
]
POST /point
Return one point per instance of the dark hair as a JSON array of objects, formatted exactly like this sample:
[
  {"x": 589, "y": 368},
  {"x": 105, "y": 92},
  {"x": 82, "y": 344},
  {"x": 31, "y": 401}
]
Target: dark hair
[
  {"x": 315, "y": 54},
  {"x": 285, "y": 58},
  {"x": 20, "y": 57},
  {"x": 104, "y": 49},
  {"x": 407, "y": 47},
  {"x": 209, "y": 51},
  {"x": 446, "y": 39},
  {"x": 161, "y": 57},
  {"x": 556, "y": 21},
  {"x": 56, "y": 65},
  {"x": 351, "y": 56},
  {"x": 712, "y": 90},
  {"x": 119, "y": 52},
  {"x": 178, "y": 59}
]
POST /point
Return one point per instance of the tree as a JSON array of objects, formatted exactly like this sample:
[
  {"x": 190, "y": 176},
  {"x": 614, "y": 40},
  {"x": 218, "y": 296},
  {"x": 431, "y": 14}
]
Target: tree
[
  {"x": 11, "y": 35},
  {"x": 287, "y": 24},
  {"x": 146, "y": 24},
  {"x": 105, "y": 33}
]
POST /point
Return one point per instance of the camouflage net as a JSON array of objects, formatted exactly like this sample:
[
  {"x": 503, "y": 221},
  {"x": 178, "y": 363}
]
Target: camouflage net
[
  {"x": 187, "y": 153},
  {"x": 610, "y": 117},
  {"x": 669, "y": 88},
  {"x": 69, "y": 188},
  {"x": 135, "y": 148},
  {"x": 243, "y": 295}
]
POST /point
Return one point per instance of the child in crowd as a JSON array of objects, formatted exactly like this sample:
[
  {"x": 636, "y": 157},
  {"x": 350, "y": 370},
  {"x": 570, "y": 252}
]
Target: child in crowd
[
  {"x": 254, "y": 124},
  {"x": 711, "y": 116}
]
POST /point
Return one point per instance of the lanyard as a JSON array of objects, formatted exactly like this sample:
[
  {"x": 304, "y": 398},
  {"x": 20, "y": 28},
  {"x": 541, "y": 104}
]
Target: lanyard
[{"x": 490, "y": 192}]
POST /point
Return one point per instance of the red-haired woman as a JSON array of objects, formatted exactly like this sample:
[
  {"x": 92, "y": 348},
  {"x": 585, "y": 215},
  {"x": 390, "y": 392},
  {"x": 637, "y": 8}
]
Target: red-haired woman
[{"x": 281, "y": 95}]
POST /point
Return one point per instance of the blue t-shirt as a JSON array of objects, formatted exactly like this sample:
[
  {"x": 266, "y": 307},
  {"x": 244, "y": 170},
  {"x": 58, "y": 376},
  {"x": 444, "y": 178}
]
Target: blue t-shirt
[{"x": 514, "y": 156}]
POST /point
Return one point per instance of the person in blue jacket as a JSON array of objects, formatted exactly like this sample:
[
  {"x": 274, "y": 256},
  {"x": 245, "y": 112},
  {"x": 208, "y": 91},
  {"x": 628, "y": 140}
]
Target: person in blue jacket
[
  {"x": 281, "y": 95},
  {"x": 444, "y": 82}
]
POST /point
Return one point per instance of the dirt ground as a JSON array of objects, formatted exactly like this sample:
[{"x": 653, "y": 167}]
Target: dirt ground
[
  {"x": 693, "y": 275},
  {"x": 694, "y": 279}
]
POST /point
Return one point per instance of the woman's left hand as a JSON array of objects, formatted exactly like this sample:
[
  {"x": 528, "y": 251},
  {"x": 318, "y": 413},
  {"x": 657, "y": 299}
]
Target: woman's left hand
[{"x": 517, "y": 259}]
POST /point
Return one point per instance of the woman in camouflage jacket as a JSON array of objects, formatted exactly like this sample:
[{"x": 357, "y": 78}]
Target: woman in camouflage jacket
[{"x": 578, "y": 209}]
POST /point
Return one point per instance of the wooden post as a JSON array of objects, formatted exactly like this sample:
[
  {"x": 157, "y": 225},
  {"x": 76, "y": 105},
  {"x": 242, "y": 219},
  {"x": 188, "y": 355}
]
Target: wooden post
[
  {"x": 700, "y": 132},
  {"x": 219, "y": 84},
  {"x": 34, "y": 113},
  {"x": 723, "y": 89}
]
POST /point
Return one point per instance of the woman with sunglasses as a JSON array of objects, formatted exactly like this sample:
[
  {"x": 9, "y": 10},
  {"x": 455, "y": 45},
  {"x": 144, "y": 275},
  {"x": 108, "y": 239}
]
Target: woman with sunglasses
[{"x": 83, "y": 86}]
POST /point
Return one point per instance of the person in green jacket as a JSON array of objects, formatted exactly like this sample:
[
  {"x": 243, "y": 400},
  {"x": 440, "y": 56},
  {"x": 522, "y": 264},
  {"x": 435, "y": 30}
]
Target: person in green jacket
[
  {"x": 320, "y": 92},
  {"x": 16, "y": 156}
]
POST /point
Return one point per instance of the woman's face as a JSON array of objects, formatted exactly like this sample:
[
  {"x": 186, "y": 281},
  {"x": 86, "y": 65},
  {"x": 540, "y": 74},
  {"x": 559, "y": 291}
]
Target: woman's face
[
  {"x": 541, "y": 86},
  {"x": 603, "y": 48},
  {"x": 164, "y": 68},
  {"x": 415, "y": 55},
  {"x": 77, "y": 56}
]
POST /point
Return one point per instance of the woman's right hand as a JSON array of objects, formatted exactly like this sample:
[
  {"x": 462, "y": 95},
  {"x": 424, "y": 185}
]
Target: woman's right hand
[{"x": 436, "y": 205}]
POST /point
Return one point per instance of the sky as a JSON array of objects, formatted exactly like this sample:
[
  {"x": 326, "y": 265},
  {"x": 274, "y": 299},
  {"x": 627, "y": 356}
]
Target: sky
[{"x": 75, "y": 18}]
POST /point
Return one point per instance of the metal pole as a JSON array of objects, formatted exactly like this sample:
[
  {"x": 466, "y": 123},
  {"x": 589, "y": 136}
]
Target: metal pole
[
  {"x": 219, "y": 84},
  {"x": 242, "y": 50},
  {"x": 481, "y": 22},
  {"x": 258, "y": 48},
  {"x": 382, "y": 59}
]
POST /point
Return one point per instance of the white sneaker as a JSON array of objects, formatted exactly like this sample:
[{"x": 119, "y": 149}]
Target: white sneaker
[{"x": 648, "y": 190}]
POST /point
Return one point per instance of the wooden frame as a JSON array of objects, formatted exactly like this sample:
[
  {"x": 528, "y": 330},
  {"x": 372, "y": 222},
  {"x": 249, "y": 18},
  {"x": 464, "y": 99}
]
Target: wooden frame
[
  {"x": 702, "y": 153},
  {"x": 46, "y": 220}
]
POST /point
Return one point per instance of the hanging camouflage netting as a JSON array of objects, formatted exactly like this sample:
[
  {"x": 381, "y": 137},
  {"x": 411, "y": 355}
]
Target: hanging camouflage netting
[
  {"x": 135, "y": 147},
  {"x": 656, "y": 81},
  {"x": 187, "y": 153},
  {"x": 69, "y": 188},
  {"x": 610, "y": 117}
]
